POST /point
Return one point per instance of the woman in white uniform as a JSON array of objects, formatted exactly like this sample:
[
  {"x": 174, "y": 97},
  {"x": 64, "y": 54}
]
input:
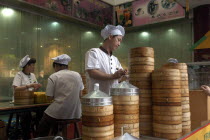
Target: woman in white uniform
[
  {"x": 26, "y": 80},
  {"x": 101, "y": 66}
]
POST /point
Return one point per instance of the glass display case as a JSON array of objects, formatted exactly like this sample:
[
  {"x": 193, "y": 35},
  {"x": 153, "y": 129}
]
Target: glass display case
[{"x": 198, "y": 74}]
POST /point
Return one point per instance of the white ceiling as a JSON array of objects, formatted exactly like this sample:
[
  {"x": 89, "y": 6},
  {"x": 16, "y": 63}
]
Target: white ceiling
[{"x": 193, "y": 3}]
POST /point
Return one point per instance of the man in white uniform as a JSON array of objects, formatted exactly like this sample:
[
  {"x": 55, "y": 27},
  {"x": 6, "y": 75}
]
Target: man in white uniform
[
  {"x": 100, "y": 65},
  {"x": 65, "y": 87}
]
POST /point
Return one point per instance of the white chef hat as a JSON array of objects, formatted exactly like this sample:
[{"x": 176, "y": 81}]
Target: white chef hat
[
  {"x": 24, "y": 61},
  {"x": 172, "y": 60},
  {"x": 62, "y": 59},
  {"x": 112, "y": 30}
]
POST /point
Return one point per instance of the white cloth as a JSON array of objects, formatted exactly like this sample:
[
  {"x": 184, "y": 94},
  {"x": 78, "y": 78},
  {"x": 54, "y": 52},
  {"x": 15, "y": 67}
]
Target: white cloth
[
  {"x": 112, "y": 30},
  {"x": 64, "y": 86},
  {"x": 97, "y": 59},
  {"x": 62, "y": 59},
  {"x": 24, "y": 61}
]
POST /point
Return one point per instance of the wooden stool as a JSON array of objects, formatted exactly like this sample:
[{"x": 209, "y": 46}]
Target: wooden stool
[{"x": 63, "y": 126}]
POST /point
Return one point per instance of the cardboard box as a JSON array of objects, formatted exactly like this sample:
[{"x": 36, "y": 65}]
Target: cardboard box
[{"x": 199, "y": 108}]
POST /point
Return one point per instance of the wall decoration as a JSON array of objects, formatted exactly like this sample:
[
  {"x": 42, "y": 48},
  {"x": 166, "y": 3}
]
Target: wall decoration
[
  {"x": 62, "y": 6},
  {"x": 153, "y": 11},
  {"x": 93, "y": 11},
  {"x": 123, "y": 14}
]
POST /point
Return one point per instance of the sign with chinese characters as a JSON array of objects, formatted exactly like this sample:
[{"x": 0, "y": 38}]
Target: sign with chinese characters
[{"x": 153, "y": 11}]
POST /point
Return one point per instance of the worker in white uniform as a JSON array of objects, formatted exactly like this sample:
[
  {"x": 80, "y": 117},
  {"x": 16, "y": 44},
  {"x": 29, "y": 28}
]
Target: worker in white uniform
[
  {"x": 100, "y": 64},
  {"x": 65, "y": 88},
  {"x": 23, "y": 81}
]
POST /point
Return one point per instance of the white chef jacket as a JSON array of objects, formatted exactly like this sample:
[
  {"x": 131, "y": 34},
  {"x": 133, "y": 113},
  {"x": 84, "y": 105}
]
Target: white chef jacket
[
  {"x": 22, "y": 79},
  {"x": 98, "y": 58},
  {"x": 64, "y": 86}
]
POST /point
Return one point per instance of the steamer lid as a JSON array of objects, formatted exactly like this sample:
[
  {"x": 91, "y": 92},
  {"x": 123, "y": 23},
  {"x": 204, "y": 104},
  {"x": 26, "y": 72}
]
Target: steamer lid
[
  {"x": 97, "y": 98},
  {"x": 124, "y": 88}
]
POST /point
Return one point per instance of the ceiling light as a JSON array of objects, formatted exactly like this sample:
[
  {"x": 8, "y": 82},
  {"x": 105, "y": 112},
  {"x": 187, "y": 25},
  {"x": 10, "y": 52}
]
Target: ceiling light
[{"x": 7, "y": 12}]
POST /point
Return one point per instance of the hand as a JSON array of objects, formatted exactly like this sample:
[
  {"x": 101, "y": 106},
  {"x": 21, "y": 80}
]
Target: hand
[
  {"x": 119, "y": 73},
  {"x": 206, "y": 89},
  {"x": 35, "y": 86}
]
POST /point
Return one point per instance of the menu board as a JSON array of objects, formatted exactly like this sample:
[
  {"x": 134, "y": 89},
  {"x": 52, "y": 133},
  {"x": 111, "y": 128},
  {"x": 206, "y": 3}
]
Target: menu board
[{"x": 153, "y": 11}]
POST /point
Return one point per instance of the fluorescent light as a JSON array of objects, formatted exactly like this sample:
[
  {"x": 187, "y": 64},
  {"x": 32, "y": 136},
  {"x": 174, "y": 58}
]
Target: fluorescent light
[
  {"x": 7, "y": 12},
  {"x": 145, "y": 34}
]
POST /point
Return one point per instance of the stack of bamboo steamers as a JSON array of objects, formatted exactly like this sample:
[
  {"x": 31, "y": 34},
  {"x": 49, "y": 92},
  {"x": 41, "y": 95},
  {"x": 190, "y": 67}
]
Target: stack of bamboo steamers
[
  {"x": 97, "y": 116},
  {"x": 167, "y": 109},
  {"x": 141, "y": 67},
  {"x": 126, "y": 109},
  {"x": 186, "y": 121}
]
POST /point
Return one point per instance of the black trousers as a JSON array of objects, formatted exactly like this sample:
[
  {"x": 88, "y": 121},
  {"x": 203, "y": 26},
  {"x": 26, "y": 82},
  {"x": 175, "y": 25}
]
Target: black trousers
[{"x": 46, "y": 124}]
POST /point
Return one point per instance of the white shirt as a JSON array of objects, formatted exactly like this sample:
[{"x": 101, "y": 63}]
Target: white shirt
[
  {"x": 97, "y": 59},
  {"x": 64, "y": 86},
  {"x": 22, "y": 79}
]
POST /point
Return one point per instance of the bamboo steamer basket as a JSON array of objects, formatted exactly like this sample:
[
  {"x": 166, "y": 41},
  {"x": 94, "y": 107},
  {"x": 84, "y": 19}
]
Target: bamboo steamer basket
[
  {"x": 110, "y": 137},
  {"x": 24, "y": 97},
  {"x": 126, "y": 109},
  {"x": 167, "y": 108},
  {"x": 145, "y": 118},
  {"x": 142, "y": 52},
  {"x": 185, "y": 92},
  {"x": 123, "y": 95},
  {"x": 97, "y": 119},
  {"x": 186, "y": 131},
  {"x": 167, "y": 113},
  {"x": 185, "y": 108},
  {"x": 135, "y": 134},
  {"x": 167, "y": 127},
  {"x": 170, "y": 93},
  {"x": 186, "y": 116},
  {"x": 40, "y": 97},
  {"x": 134, "y": 130},
  {"x": 127, "y": 126},
  {"x": 145, "y": 110},
  {"x": 166, "y": 100},
  {"x": 167, "y": 119},
  {"x": 98, "y": 129},
  {"x": 141, "y": 68},
  {"x": 166, "y": 73},
  {"x": 142, "y": 61},
  {"x": 166, "y": 84},
  {"x": 145, "y": 126},
  {"x": 98, "y": 124},
  {"x": 171, "y": 136},
  {"x": 145, "y": 93},
  {"x": 180, "y": 66},
  {"x": 185, "y": 100},
  {"x": 144, "y": 75},
  {"x": 142, "y": 85},
  {"x": 97, "y": 115}
]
